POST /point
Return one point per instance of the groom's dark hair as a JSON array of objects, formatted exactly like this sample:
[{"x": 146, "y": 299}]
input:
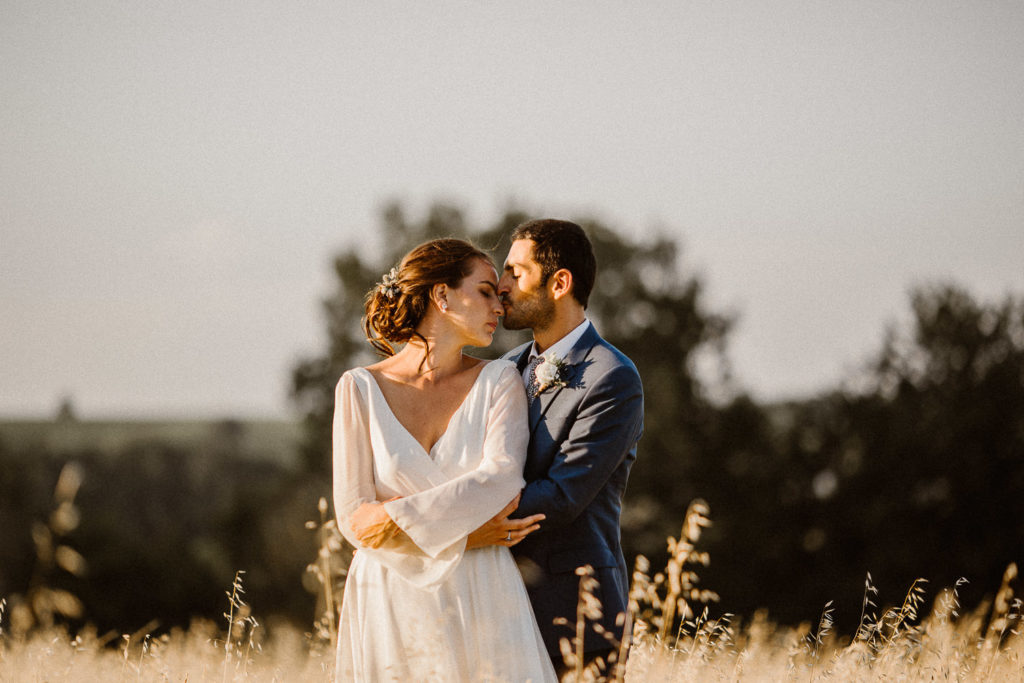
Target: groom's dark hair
[{"x": 561, "y": 244}]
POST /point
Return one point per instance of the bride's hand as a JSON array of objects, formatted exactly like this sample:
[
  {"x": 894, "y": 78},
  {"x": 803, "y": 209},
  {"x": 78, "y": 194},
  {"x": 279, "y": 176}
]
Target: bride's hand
[
  {"x": 372, "y": 525},
  {"x": 500, "y": 530}
]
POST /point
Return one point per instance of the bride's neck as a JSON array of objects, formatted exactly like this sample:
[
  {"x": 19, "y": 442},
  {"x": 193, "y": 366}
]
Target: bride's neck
[{"x": 432, "y": 361}]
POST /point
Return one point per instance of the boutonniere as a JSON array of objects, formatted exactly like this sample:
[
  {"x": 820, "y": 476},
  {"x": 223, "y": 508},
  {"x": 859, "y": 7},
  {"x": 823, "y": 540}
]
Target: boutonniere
[{"x": 551, "y": 372}]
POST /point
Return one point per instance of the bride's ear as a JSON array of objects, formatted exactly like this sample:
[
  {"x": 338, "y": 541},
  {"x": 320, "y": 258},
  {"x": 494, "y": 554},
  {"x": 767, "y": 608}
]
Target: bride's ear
[{"x": 439, "y": 297}]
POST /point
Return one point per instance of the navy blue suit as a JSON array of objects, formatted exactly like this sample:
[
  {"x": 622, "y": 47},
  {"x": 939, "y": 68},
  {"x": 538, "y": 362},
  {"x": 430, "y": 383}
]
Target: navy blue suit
[{"x": 582, "y": 444}]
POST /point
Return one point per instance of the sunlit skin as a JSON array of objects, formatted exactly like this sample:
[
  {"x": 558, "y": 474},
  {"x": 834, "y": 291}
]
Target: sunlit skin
[
  {"x": 424, "y": 384},
  {"x": 548, "y": 308}
]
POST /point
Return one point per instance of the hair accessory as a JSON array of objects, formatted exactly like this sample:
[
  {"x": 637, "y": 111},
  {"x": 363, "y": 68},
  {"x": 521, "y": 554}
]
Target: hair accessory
[{"x": 388, "y": 285}]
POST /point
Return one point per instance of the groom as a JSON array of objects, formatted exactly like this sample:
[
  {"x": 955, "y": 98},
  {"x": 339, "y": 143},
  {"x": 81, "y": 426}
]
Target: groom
[{"x": 586, "y": 415}]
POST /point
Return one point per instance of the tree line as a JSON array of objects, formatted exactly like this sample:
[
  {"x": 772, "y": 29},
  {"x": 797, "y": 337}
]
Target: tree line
[
  {"x": 913, "y": 470},
  {"x": 910, "y": 469}
]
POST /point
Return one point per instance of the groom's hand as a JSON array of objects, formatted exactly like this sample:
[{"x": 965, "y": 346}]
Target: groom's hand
[
  {"x": 500, "y": 530},
  {"x": 372, "y": 525}
]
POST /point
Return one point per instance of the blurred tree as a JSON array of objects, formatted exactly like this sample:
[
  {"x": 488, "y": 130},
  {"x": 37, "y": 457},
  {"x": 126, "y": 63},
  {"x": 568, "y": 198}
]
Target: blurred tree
[
  {"x": 919, "y": 473},
  {"x": 642, "y": 303},
  {"x": 25, "y": 489},
  {"x": 807, "y": 496},
  {"x": 945, "y": 428},
  {"x": 914, "y": 472},
  {"x": 66, "y": 410},
  {"x": 162, "y": 530}
]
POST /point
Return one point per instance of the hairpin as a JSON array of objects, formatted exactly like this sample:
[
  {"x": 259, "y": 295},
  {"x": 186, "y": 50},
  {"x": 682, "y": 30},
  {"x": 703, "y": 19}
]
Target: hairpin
[{"x": 388, "y": 285}]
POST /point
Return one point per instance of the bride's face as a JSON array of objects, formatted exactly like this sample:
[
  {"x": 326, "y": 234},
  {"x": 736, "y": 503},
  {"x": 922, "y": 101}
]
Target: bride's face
[{"x": 474, "y": 307}]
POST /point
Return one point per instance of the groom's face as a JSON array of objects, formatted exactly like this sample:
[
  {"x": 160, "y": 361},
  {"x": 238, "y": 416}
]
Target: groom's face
[{"x": 524, "y": 294}]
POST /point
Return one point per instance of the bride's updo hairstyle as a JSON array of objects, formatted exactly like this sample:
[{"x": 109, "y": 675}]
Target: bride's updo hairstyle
[{"x": 396, "y": 306}]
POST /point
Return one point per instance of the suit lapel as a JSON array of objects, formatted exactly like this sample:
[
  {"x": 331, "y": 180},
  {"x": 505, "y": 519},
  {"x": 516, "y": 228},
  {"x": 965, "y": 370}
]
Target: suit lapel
[
  {"x": 573, "y": 375},
  {"x": 523, "y": 359}
]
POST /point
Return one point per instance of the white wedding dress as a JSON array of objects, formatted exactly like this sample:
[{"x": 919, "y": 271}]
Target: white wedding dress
[{"x": 423, "y": 607}]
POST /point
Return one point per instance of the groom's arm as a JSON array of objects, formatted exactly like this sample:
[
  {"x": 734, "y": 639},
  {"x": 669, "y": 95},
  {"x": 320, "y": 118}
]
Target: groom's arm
[{"x": 606, "y": 428}]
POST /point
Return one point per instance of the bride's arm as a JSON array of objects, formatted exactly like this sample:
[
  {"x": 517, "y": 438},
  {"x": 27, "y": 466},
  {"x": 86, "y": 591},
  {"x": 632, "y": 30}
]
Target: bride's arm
[
  {"x": 359, "y": 516},
  {"x": 440, "y": 517}
]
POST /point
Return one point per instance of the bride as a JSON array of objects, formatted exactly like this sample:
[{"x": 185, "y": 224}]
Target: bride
[{"x": 429, "y": 444}]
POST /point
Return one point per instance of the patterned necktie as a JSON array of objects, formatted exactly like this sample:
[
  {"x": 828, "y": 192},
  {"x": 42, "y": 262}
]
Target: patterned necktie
[{"x": 532, "y": 385}]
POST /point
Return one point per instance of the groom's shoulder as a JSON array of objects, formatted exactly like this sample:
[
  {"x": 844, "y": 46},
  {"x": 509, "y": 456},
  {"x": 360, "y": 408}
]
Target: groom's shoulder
[{"x": 609, "y": 358}]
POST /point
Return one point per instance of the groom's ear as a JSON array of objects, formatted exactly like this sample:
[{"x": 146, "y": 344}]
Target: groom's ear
[{"x": 560, "y": 283}]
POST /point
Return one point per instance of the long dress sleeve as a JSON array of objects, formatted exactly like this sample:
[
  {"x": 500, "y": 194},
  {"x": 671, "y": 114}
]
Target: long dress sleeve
[
  {"x": 353, "y": 455},
  {"x": 439, "y": 519},
  {"x": 353, "y": 473}
]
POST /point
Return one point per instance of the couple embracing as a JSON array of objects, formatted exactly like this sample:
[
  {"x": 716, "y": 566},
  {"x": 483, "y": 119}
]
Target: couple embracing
[{"x": 444, "y": 462}]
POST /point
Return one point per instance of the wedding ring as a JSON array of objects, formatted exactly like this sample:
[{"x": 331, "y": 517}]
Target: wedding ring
[{"x": 509, "y": 537}]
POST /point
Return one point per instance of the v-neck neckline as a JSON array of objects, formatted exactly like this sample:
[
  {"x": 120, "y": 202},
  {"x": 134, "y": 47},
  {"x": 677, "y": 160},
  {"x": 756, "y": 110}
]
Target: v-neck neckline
[{"x": 429, "y": 452}]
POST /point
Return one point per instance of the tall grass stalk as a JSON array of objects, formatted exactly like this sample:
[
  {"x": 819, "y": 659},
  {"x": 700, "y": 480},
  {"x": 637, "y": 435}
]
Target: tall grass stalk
[
  {"x": 984, "y": 644},
  {"x": 241, "y": 624},
  {"x": 329, "y": 569},
  {"x": 824, "y": 628}
]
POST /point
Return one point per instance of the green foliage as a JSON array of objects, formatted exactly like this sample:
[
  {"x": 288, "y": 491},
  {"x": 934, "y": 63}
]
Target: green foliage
[
  {"x": 644, "y": 304},
  {"x": 915, "y": 468},
  {"x": 161, "y": 528},
  {"x": 921, "y": 468},
  {"x": 641, "y": 303},
  {"x": 945, "y": 422}
]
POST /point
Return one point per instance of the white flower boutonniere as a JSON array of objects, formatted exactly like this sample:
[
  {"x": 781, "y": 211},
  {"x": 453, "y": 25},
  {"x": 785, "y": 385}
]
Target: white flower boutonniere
[{"x": 551, "y": 373}]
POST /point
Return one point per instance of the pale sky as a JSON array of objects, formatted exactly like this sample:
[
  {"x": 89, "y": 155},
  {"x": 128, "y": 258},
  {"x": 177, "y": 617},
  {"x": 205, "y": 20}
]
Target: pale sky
[{"x": 175, "y": 177}]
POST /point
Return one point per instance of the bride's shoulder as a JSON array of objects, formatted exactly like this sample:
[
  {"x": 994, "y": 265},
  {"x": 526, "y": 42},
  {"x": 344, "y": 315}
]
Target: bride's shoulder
[
  {"x": 492, "y": 372},
  {"x": 358, "y": 377},
  {"x": 353, "y": 374},
  {"x": 502, "y": 372},
  {"x": 496, "y": 367},
  {"x": 502, "y": 365}
]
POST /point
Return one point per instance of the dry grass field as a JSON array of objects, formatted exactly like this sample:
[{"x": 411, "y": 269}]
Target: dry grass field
[{"x": 677, "y": 638}]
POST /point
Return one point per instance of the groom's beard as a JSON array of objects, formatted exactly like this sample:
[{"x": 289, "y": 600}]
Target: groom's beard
[{"x": 533, "y": 312}]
